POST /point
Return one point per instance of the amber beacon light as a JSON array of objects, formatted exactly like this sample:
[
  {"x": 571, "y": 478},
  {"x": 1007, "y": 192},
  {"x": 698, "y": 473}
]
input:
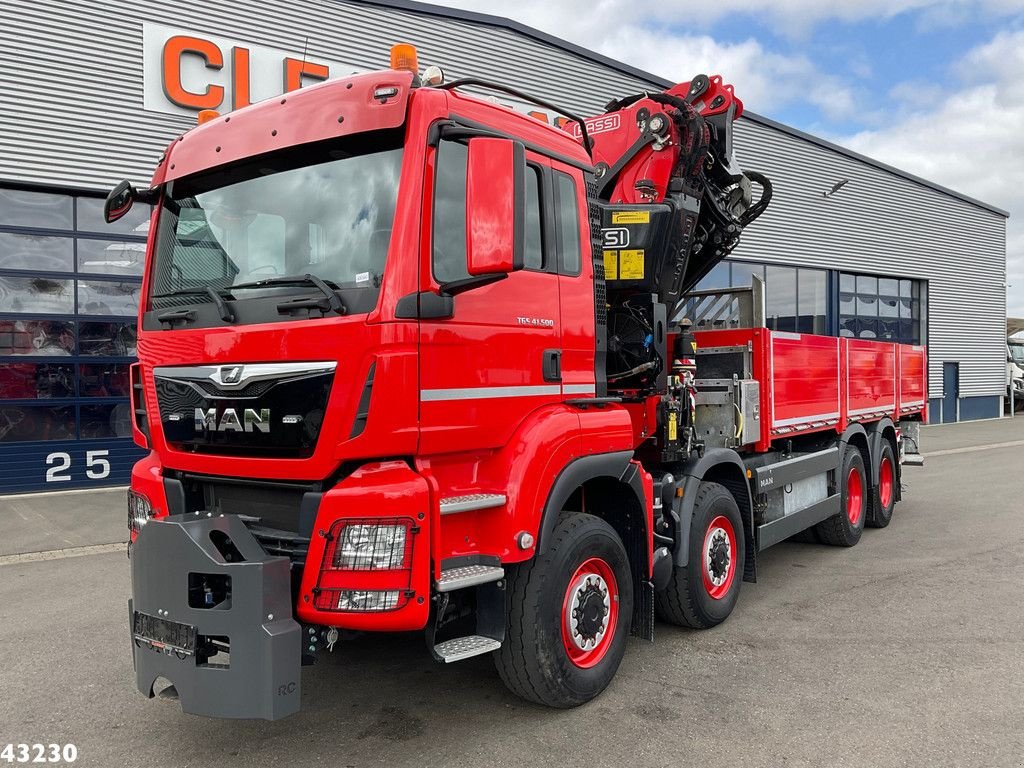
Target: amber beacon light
[{"x": 403, "y": 57}]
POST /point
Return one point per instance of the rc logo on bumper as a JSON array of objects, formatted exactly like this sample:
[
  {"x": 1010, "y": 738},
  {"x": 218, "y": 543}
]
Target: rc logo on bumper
[{"x": 211, "y": 612}]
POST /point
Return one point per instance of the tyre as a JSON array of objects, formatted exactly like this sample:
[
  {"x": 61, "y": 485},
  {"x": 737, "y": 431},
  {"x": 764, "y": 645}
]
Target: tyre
[
  {"x": 703, "y": 593},
  {"x": 569, "y": 612},
  {"x": 844, "y": 529},
  {"x": 883, "y": 500}
]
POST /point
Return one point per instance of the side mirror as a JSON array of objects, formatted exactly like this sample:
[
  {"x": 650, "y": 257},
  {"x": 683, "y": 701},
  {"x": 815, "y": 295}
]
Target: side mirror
[
  {"x": 495, "y": 206},
  {"x": 119, "y": 201}
]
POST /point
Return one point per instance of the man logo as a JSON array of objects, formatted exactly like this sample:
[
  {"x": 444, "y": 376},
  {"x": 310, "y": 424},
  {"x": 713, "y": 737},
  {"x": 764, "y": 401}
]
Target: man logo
[{"x": 231, "y": 374}]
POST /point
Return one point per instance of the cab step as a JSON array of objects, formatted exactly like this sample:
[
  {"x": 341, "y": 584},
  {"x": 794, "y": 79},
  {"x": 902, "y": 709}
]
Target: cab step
[
  {"x": 463, "y": 576},
  {"x": 460, "y": 648},
  {"x": 471, "y": 502}
]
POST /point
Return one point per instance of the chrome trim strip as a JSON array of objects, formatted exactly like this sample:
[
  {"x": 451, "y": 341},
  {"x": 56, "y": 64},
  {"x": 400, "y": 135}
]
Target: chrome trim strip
[
  {"x": 484, "y": 393},
  {"x": 472, "y": 502},
  {"x": 249, "y": 373}
]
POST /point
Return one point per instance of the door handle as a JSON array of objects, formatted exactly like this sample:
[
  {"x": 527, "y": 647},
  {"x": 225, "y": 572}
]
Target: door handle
[{"x": 552, "y": 365}]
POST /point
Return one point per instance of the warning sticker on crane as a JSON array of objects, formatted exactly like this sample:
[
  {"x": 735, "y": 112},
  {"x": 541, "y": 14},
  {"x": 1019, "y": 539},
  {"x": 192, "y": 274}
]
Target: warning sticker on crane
[
  {"x": 611, "y": 265},
  {"x": 631, "y": 217},
  {"x": 631, "y": 265}
]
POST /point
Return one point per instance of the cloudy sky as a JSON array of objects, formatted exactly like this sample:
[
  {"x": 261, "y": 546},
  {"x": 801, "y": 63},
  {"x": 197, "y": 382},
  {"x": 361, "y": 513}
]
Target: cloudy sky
[{"x": 935, "y": 87}]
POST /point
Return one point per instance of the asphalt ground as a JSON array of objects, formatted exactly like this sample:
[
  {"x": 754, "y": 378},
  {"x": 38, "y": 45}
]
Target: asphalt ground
[{"x": 905, "y": 650}]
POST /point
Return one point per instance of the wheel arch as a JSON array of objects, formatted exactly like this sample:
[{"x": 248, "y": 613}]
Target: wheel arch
[
  {"x": 609, "y": 486},
  {"x": 717, "y": 465}
]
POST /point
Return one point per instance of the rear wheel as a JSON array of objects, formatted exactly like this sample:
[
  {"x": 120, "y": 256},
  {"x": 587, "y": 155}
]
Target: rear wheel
[
  {"x": 845, "y": 528},
  {"x": 703, "y": 593},
  {"x": 568, "y": 615},
  {"x": 883, "y": 500}
]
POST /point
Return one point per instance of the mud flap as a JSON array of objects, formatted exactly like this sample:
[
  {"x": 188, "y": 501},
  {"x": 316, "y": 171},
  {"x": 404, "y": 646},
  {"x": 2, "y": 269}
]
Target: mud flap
[{"x": 201, "y": 584}]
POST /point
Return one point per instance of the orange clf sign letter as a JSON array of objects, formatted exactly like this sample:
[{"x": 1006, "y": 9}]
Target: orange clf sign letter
[{"x": 174, "y": 49}]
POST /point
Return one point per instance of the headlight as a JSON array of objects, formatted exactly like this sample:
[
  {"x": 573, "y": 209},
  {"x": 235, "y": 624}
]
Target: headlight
[
  {"x": 363, "y": 546},
  {"x": 139, "y": 512}
]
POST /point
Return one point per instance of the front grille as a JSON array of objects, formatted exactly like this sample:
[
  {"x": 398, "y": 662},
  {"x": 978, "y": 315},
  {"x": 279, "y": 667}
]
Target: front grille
[
  {"x": 278, "y": 414},
  {"x": 280, "y": 543}
]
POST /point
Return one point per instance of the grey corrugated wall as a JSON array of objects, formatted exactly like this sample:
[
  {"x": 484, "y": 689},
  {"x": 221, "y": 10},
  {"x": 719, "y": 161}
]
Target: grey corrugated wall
[{"x": 71, "y": 114}]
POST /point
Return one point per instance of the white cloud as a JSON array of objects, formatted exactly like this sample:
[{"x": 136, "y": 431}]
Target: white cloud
[{"x": 968, "y": 139}]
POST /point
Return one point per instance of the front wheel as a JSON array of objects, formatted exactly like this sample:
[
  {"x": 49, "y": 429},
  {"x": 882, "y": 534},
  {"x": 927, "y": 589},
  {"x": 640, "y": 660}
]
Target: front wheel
[
  {"x": 568, "y": 615},
  {"x": 703, "y": 593}
]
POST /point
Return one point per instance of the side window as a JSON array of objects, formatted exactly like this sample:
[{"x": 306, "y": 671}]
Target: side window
[
  {"x": 450, "y": 212},
  {"x": 533, "y": 247},
  {"x": 568, "y": 225}
]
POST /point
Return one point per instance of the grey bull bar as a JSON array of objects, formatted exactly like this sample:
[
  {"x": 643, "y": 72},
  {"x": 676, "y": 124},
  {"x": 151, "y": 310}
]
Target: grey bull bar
[{"x": 202, "y": 584}]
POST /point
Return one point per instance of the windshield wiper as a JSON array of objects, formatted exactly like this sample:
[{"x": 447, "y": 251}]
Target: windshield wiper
[
  {"x": 327, "y": 289},
  {"x": 216, "y": 296}
]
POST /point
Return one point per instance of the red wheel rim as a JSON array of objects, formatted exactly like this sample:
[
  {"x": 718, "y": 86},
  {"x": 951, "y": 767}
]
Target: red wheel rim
[
  {"x": 718, "y": 556},
  {"x": 885, "y": 481},
  {"x": 854, "y": 496},
  {"x": 590, "y": 613}
]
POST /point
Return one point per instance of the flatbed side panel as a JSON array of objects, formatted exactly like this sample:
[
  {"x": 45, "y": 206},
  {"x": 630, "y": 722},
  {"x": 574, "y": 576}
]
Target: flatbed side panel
[
  {"x": 805, "y": 383},
  {"x": 912, "y": 390},
  {"x": 870, "y": 379}
]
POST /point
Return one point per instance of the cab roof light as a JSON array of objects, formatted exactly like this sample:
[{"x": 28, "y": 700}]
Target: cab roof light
[
  {"x": 403, "y": 57},
  {"x": 206, "y": 115}
]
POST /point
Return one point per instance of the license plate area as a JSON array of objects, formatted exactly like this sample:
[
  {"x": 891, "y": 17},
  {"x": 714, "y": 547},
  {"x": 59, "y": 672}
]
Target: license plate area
[{"x": 164, "y": 635}]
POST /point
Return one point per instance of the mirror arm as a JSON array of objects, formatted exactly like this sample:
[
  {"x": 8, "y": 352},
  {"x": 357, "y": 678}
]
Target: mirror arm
[{"x": 455, "y": 287}]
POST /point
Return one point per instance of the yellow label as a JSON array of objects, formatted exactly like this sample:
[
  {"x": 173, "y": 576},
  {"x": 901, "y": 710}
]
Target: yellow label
[
  {"x": 672, "y": 429},
  {"x": 631, "y": 265},
  {"x": 631, "y": 217},
  {"x": 611, "y": 265}
]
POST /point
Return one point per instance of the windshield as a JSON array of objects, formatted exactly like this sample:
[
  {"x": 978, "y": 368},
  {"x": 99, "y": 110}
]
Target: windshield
[
  {"x": 1017, "y": 353},
  {"x": 324, "y": 209}
]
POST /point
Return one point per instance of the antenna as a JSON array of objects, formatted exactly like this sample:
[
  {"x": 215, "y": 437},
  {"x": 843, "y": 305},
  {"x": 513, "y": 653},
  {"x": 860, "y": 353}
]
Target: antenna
[{"x": 302, "y": 69}]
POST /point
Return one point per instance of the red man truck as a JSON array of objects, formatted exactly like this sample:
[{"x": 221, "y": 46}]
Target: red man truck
[{"x": 410, "y": 359}]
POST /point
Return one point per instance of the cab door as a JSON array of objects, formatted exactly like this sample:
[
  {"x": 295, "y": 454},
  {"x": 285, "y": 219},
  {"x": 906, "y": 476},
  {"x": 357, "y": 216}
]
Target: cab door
[{"x": 497, "y": 358}]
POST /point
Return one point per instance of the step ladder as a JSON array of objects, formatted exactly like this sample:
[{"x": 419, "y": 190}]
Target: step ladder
[{"x": 488, "y": 579}]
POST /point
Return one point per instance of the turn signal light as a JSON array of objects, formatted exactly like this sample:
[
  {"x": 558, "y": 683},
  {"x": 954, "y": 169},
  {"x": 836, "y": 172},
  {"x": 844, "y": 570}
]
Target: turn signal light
[{"x": 403, "y": 57}]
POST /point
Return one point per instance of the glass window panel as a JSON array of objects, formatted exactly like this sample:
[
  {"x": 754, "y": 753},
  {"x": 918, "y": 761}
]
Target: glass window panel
[
  {"x": 888, "y": 286},
  {"x": 111, "y": 257},
  {"x": 889, "y": 330},
  {"x": 847, "y": 283},
  {"x": 846, "y": 303},
  {"x": 36, "y": 422},
  {"x": 36, "y": 381},
  {"x": 867, "y": 305},
  {"x": 103, "y": 380},
  {"x": 90, "y": 218},
  {"x": 905, "y": 288},
  {"x": 104, "y": 297},
  {"x": 742, "y": 271},
  {"x": 812, "y": 301},
  {"x": 780, "y": 298},
  {"x": 888, "y": 306},
  {"x": 904, "y": 307},
  {"x": 915, "y": 309},
  {"x": 37, "y": 295},
  {"x": 533, "y": 248},
  {"x": 37, "y": 337},
  {"x": 105, "y": 421},
  {"x": 907, "y": 332},
  {"x": 718, "y": 277},
  {"x": 97, "y": 339},
  {"x": 450, "y": 212},
  {"x": 867, "y": 328},
  {"x": 43, "y": 210},
  {"x": 36, "y": 252},
  {"x": 568, "y": 224},
  {"x": 867, "y": 284},
  {"x": 847, "y": 326}
]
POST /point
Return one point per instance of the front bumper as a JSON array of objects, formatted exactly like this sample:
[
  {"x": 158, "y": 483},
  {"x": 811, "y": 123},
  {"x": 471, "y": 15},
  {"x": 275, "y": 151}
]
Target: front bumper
[{"x": 262, "y": 677}]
